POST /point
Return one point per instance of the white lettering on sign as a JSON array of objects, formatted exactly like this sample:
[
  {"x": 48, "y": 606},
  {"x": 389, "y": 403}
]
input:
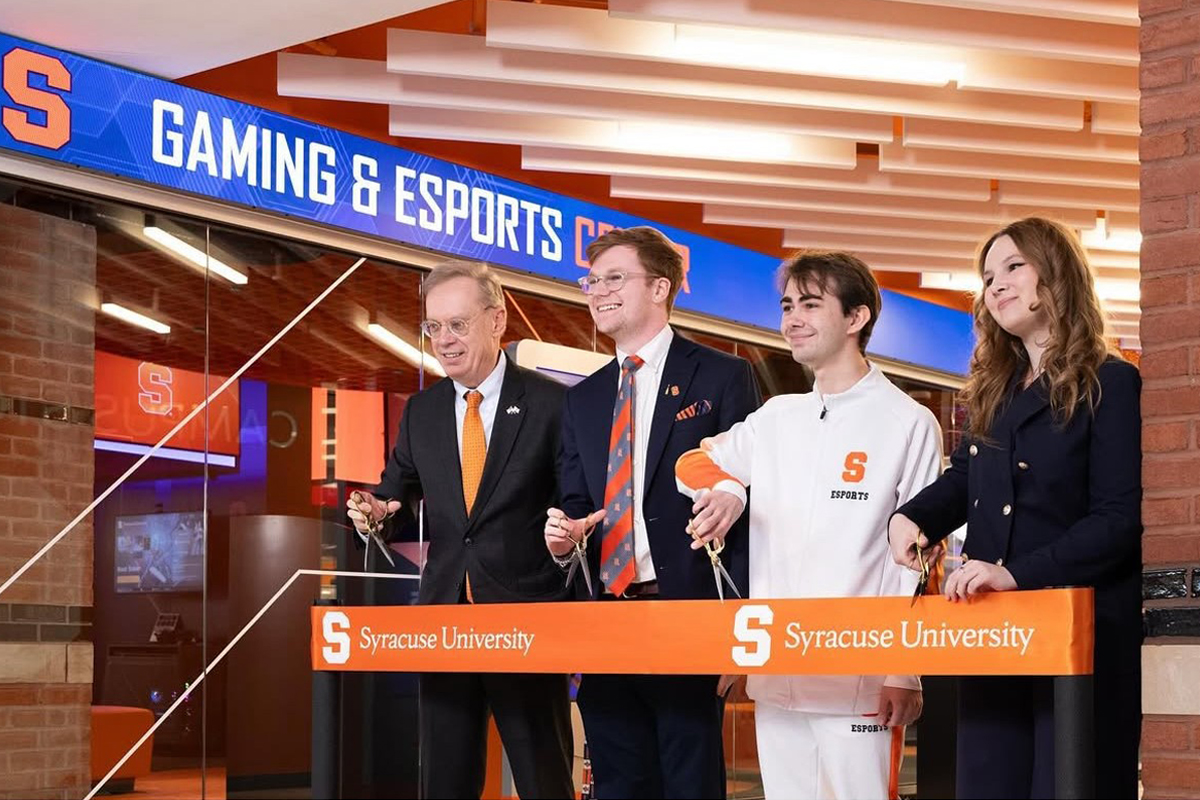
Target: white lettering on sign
[
  {"x": 760, "y": 637},
  {"x": 156, "y": 396},
  {"x": 334, "y": 627}
]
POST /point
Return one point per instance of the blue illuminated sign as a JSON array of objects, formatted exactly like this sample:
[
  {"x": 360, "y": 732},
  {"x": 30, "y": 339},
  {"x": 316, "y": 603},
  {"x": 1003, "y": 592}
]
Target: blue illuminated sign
[{"x": 67, "y": 108}]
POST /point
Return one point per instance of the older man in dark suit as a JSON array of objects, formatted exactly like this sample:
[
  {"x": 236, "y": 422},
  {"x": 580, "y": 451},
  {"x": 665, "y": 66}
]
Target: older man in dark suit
[
  {"x": 624, "y": 427},
  {"x": 480, "y": 447}
]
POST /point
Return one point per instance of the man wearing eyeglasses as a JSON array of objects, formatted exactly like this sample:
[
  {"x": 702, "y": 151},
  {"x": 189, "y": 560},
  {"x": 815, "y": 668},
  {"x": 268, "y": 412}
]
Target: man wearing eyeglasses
[
  {"x": 652, "y": 736},
  {"x": 484, "y": 515}
]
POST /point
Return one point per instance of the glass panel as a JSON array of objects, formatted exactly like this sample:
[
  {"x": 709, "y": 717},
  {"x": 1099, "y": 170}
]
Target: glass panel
[
  {"x": 120, "y": 320},
  {"x": 321, "y": 407}
]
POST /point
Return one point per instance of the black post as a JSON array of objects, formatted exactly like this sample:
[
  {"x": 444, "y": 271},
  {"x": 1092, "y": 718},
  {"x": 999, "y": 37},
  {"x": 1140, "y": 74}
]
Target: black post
[
  {"x": 1074, "y": 737},
  {"x": 326, "y": 729},
  {"x": 937, "y": 738}
]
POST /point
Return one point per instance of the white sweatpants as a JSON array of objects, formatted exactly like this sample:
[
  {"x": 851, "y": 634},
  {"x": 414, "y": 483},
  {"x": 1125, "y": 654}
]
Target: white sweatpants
[{"x": 806, "y": 756}]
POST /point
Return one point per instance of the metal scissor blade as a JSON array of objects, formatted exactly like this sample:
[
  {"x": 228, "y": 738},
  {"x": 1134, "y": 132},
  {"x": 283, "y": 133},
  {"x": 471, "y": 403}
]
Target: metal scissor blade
[
  {"x": 578, "y": 563},
  {"x": 923, "y": 581},
  {"x": 383, "y": 548},
  {"x": 717, "y": 579},
  {"x": 728, "y": 579},
  {"x": 587, "y": 574}
]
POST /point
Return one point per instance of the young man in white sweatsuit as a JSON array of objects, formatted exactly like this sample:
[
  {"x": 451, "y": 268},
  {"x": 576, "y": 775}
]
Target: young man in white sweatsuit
[{"x": 828, "y": 469}]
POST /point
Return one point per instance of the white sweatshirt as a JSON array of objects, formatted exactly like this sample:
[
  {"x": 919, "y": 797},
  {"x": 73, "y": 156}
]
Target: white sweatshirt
[{"x": 827, "y": 472}]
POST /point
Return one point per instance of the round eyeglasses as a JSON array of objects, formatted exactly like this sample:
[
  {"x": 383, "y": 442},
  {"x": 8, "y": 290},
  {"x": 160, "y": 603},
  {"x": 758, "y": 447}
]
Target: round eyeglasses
[{"x": 458, "y": 327}]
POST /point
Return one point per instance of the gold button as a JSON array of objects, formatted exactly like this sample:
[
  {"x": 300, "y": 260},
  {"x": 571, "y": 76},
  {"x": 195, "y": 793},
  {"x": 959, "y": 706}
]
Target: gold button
[
  {"x": 999, "y": 562},
  {"x": 1006, "y": 510},
  {"x": 973, "y": 450},
  {"x": 1022, "y": 465}
]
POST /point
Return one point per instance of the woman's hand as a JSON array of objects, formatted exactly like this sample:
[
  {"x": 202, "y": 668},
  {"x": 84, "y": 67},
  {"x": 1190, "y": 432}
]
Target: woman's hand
[
  {"x": 905, "y": 539},
  {"x": 977, "y": 577}
]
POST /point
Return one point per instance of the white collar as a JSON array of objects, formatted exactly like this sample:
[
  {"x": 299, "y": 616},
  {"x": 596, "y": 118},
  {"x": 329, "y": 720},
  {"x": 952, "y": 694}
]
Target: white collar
[
  {"x": 654, "y": 352},
  {"x": 490, "y": 387}
]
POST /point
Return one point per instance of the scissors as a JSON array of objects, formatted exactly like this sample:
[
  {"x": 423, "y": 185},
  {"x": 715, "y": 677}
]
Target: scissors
[
  {"x": 579, "y": 559},
  {"x": 374, "y": 530},
  {"x": 923, "y": 581},
  {"x": 720, "y": 574}
]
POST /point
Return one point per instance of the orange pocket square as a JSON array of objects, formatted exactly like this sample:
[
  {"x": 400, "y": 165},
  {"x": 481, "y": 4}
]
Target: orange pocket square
[{"x": 696, "y": 409}]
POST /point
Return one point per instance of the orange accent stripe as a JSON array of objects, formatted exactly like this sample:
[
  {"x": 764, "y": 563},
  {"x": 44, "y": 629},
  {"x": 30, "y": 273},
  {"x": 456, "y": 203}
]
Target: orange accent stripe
[
  {"x": 896, "y": 757},
  {"x": 623, "y": 475},
  {"x": 697, "y": 470},
  {"x": 467, "y": 578},
  {"x": 615, "y": 440}
]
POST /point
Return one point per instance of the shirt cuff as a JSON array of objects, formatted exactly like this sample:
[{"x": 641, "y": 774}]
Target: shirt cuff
[
  {"x": 903, "y": 681},
  {"x": 732, "y": 487}
]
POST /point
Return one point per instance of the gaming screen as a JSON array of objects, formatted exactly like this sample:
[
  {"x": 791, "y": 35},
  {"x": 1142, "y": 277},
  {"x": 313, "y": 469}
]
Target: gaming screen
[{"x": 160, "y": 552}]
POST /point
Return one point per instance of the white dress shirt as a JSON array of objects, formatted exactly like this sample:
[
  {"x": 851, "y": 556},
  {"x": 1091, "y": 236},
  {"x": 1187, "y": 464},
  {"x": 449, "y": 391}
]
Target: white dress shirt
[
  {"x": 490, "y": 389},
  {"x": 645, "y": 394}
]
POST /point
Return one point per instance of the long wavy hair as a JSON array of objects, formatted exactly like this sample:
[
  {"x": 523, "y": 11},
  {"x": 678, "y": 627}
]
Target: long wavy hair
[{"x": 1067, "y": 293}]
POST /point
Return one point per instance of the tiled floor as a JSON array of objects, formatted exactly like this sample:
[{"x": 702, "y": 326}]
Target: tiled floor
[
  {"x": 177, "y": 784},
  {"x": 184, "y": 784}
]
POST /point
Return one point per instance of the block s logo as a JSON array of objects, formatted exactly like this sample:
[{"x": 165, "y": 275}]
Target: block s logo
[
  {"x": 855, "y": 467},
  {"x": 334, "y": 627},
  {"x": 749, "y": 627},
  {"x": 157, "y": 395},
  {"x": 38, "y": 117}
]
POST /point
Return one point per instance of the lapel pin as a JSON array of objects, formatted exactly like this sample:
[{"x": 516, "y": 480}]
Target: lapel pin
[
  {"x": 674, "y": 391},
  {"x": 513, "y": 410}
]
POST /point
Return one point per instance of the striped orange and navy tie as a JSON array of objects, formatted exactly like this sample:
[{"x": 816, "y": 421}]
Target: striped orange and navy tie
[{"x": 616, "y": 548}]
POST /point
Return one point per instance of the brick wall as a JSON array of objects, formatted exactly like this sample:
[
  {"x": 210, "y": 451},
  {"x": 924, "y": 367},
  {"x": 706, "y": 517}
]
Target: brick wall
[
  {"x": 1170, "y": 332},
  {"x": 47, "y": 277}
]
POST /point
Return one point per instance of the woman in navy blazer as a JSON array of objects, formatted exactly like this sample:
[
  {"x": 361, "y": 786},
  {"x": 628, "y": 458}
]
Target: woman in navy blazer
[{"x": 1048, "y": 482}]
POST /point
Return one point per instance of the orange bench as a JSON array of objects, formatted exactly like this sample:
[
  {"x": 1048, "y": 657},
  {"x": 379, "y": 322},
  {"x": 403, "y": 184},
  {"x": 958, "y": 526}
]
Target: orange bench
[{"x": 115, "y": 729}]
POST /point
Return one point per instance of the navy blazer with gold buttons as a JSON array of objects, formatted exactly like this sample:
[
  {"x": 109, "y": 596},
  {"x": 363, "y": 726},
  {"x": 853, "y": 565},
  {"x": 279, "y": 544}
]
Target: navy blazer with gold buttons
[{"x": 1058, "y": 505}]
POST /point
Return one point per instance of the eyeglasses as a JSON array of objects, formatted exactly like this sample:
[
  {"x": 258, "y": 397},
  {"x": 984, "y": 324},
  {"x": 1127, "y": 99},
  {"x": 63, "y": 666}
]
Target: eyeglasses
[
  {"x": 613, "y": 281},
  {"x": 459, "y": 327}
]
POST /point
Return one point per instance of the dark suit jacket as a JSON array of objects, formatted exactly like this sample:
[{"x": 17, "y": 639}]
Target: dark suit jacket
[
  {"x": 1073, "y": 496},
  {"x": 701, "y": 373},
  {"x": 501, "y": 543}
]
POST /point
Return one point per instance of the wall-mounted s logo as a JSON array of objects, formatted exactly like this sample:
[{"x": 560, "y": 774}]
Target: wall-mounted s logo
[
  {"x": 758, "y": 616},
  {"x": 156, "y": 396},
  {"x": 334, "y": 627},
  {"x": 19, "y": 66}
]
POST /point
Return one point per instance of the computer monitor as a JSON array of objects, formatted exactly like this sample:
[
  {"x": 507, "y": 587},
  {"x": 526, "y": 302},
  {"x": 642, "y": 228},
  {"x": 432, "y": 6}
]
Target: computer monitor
[{"x": 160, "y": 552}]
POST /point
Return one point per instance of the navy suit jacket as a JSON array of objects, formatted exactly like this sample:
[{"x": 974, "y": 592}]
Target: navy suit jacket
[
  {"x": 701, "y": 373},
  {"x": 501, "y": 542},
  {"x": 1057, "y": 505}
]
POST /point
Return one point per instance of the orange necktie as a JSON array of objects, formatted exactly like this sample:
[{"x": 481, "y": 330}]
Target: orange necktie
[
  {"x": 474, "y": 449},
  {"x": 474, "y": 453}
]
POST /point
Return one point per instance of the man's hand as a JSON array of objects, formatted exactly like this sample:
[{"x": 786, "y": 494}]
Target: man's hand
[
  {"x": 977, "y": 577},
  {"x": 366, "y": 510},
  {"x": 898, "y": 706},
  {"x": 732, "y": 688},
  {"x": 714, "y": 513},
  {"x": 563, "y": 533}
]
